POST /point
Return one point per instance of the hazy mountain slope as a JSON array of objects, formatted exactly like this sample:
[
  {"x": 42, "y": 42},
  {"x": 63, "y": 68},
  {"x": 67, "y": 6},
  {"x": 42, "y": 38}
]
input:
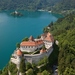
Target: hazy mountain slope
[
  {"x": 65, "y": 6},
  {"x": 27, "y": 4}
]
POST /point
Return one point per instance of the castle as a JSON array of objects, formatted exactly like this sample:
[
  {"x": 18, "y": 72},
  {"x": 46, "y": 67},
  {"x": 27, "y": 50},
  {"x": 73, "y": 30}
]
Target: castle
[{"x": 32, "y": 46}]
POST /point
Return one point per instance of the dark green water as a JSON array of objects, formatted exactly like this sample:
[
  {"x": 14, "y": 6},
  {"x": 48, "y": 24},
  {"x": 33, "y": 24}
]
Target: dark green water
[{"x": 14, "y": 29}]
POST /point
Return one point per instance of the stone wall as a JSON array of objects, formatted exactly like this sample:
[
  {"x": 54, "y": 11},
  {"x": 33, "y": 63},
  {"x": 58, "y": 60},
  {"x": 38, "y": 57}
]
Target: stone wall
[{"x": 37, "y": 57}]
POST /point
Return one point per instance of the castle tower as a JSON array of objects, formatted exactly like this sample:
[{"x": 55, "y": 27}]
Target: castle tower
[
  {"x": 49, "y": 40},
  {"x": 42, "y": 51},
  {"x": 19, "y": 55}
]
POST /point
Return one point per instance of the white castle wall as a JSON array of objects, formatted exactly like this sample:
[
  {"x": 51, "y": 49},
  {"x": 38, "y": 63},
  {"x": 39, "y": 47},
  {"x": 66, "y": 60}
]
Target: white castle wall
[
  {"x": 30, "y": 48},
  {"x": 37, "y": 57},
  {"x": 48, "y": 44}
]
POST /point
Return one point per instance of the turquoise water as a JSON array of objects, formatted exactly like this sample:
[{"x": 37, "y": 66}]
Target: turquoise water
[{"x": 14, "y": 29}]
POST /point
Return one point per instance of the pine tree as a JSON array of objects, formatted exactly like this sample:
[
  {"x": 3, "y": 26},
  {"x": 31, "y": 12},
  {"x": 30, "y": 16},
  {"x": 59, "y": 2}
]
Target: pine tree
[{"x": 22, "y": 65}]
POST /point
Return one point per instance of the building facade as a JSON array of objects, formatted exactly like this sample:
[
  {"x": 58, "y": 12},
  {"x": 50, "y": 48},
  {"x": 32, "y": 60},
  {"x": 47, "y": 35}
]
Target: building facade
[{"x": 33, "y": 45}]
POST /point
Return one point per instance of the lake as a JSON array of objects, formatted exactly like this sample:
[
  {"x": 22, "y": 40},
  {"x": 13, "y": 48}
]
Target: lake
[{"x": 14, "y": 29}]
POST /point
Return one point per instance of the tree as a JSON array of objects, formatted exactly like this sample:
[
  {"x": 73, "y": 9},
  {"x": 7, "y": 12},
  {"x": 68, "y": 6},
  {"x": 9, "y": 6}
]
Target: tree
[
  {"x": 28, "y": 66},
  {"x": 22, "y": 65},
  {"x": 45, "y": 72},
  {"x": 5, "y": 72},
  {"x": 45, "y": 60},
  {"x": 30, "y": 72},
  {"x": 25, "y": 39},
  {"x": 0, "y": 71},
  {"x": 35, "y": 69},
  {"x": 43, "y": 47},
  {"x": 51, "y": 24},
  {"x": 38, "y": 36},
  {"x": 45, "y": 30},
  {"x": 12, "y": 68},
  {"x": 18, "y": 45},
  {"x": 33, "y": 65},
  {"x": 69, "y": 71}
]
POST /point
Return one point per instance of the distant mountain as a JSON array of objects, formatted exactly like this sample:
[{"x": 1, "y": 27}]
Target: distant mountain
[
  {"x": 64, "y": 6},
  {"x": 57, "y": 6},
  {"x": 27, "y": 4}
]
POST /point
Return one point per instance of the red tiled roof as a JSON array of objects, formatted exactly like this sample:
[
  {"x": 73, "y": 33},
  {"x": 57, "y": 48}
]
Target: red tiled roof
[
  {"x": 48, "y": 34},
  {"x": 49, "y": 37},
  {"x": 42, "y": 50},
  {"x": 31, "y": 43},
  {"x": 19, "y": 52}
]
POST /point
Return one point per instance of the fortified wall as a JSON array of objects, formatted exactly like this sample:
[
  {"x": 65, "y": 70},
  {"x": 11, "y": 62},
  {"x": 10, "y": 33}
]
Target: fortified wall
[
  {"x": 37, "y": 57},
  {"x": 33, "y": 45}
]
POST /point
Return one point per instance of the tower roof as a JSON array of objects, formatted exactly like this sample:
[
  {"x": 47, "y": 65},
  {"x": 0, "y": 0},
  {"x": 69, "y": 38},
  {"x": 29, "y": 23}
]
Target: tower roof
[
  {"x": 49, "y": 37},
  {"x": 31, "y": 38},
  {"x": 42, "y": 50},
  {"x": 49, "y": 34},
  {"x": 19, "y": 52}
]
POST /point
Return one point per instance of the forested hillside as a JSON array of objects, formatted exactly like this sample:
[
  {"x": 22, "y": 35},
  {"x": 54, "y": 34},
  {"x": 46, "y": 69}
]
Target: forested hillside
[
  {"x": 27, "y": 4},
  {"x": 57, "y": 6},
  {"x": 64, "y": 6},
  {"x": 64, "y": 31}
]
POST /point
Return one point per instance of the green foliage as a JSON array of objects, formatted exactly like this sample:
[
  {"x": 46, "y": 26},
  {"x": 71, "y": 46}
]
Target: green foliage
[
  {"x": 69, "y": 71},
  {"x": 26, "y": 4},
  {"x": 53, "y": 58},
  {"x": 0, "y": 71},
  {"x": 5, "y": 72},
  {"x": 18, "y": 45},
  {"x": 25, "y": 39},
  {"x": 28, "y": 66},
  {"x": 51, "y": 24},
  {"x": 30, "y": 72},
  {"x": 38, "y": 36},
  {"x": 45, "y": 30},
  {"x": 57, "y": 6},
  {"x": 22, "y": 66},
  {"x": 64, "y": 7},
  {"x": 33, "y": 65},
  {"x": 43, "y": 61},
  {"x": 12, "y": 68},
  {"x": 43, "y": 47},
  {"x": 45, "y": 73},
  {"x": 64, "y": 31}
]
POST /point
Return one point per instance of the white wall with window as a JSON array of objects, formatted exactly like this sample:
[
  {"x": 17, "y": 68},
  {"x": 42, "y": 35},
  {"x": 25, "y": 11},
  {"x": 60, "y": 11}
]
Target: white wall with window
[
  {"x": 28, "y": 48},
  {"x": 48, "y": 44}
]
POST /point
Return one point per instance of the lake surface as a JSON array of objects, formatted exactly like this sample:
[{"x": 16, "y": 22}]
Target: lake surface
[{"x": 14, "y": 29}]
